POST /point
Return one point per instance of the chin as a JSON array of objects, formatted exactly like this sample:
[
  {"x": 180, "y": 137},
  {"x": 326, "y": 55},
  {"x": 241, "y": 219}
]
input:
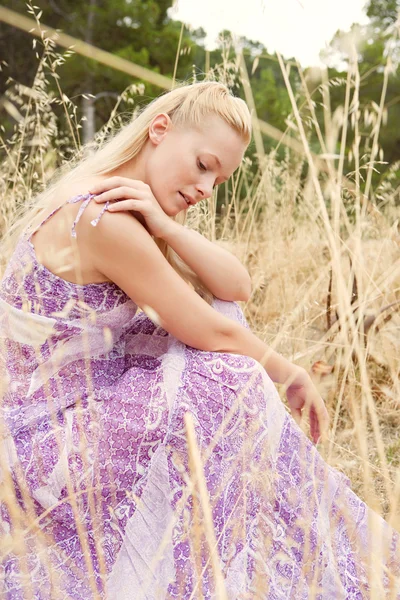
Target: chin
[
  {"x": 170, "y": 206},
  {"x": 172, "y": 211}
]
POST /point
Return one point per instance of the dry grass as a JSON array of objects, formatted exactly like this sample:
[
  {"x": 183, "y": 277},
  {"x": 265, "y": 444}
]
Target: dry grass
[
  {"x": 325, "y": 268},
  {"x": 305, "y": 245}
]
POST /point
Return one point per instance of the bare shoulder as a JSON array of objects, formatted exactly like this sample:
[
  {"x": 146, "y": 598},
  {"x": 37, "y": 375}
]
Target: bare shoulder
[
  {"x": 116, "y": 242},
  {"x": 123, "y": 251},
  {"x": 114, "y": 233},
  {"x": 74, "y": 262}
]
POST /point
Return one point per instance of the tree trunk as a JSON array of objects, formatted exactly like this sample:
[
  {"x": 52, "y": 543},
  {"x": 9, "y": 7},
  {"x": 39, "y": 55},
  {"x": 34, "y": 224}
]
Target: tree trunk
[{"x": 88, "y": 107}]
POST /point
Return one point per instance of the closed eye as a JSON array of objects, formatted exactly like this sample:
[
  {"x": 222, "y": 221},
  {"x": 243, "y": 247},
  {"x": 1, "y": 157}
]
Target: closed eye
[{"x": 201, "y": 166}]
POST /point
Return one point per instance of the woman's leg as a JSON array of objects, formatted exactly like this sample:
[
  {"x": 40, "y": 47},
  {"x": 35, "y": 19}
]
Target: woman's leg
[{"x": 287, "y": 524}]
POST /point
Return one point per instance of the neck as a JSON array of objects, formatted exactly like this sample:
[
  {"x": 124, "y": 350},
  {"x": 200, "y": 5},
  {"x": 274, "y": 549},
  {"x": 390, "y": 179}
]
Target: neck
[{"x": 134, "y": 168}]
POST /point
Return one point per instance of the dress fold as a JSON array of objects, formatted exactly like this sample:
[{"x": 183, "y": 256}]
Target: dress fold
[{"x": 96, "y": 497}]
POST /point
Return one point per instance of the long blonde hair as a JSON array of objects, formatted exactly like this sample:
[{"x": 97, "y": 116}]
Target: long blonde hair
[{"x": 187, "y": 105}]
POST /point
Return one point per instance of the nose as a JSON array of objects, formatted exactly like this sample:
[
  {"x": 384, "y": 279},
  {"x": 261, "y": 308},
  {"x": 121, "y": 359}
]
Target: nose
[{"x": 205, "y": 189}]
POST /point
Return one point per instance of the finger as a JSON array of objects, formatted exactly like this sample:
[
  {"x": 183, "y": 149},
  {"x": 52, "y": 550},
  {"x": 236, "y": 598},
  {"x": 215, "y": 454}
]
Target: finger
[
  {"x": 115, "y": 183},
  {"x": 116, "y": 193},
  {"x": 120, "y": 193},
  {"x": 99, "y": 199},
  {"x": 323, "y": 415},
  {"x": 296, "y": 414},
  {"x": 319, "y": 421},
  {"x": 307, "y": 411},
  {"x": 126, "y": 205},
  {"x": 314, "y": 426}
]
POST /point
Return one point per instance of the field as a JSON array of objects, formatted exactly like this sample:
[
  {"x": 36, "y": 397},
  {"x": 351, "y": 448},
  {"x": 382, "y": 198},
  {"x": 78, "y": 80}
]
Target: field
[{"x": 321, "y": 245}]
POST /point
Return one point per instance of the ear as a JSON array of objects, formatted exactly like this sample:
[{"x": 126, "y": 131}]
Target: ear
[{"x": 159, "y": 127}]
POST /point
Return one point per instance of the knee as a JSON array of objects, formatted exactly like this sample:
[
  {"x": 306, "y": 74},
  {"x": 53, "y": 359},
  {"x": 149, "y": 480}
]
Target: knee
[{"x": 232, "y": 310}]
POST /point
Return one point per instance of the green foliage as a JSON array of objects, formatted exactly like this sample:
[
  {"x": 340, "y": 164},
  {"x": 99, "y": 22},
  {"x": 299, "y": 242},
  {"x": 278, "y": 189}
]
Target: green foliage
[
  {"x": 372, "y": 51},
  {"x": 267, "y": 84},
  {"x": 270, "y": 94},
  {"x": 383, "y": 12},
  {"x": 139, "y": 31},
  {"x": 142, "y": 32}
]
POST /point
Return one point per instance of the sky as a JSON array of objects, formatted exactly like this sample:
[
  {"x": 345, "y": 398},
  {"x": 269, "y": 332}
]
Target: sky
[{"x": 295, "y": 28}]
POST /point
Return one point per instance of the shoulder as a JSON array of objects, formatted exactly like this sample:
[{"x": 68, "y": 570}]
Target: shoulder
[
  {"x": 107, "y": 224},
  {"x": 116, "y": 238}
]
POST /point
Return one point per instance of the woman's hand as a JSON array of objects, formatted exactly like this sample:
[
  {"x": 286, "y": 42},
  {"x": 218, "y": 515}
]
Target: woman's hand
[
  {"x": 133, "y": 195},
  {"x": 304, "y": 399}
]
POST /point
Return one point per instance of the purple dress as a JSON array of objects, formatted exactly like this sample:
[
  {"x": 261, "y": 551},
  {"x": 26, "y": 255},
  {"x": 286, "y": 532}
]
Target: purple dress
[{"x": 97, "y": 498}]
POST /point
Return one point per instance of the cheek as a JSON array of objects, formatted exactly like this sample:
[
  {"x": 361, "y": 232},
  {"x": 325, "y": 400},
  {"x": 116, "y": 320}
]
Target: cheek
[
  {"x": 165, "y": 185},
  {"x": 171, "y": 171},
  {"x": 176, "y": 176}
]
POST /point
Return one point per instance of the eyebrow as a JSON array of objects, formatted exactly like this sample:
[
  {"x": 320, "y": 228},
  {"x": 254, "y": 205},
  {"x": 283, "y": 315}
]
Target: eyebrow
[
  {"x": 218, "y": 163},
  {"x": 216, "y": 158}
]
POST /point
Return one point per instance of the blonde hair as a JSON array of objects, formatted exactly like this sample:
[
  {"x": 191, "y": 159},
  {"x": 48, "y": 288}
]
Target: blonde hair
[{"x": 187, "y": 105}]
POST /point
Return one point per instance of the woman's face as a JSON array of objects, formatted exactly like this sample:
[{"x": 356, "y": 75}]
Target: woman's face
[{"x": 189, "y": 162}]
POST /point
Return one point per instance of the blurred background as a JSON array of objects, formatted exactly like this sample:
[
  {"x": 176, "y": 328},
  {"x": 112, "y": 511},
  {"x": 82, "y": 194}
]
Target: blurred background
[
  {"x": 317, "y": 33},
  {"x": 313, "y": 212}
]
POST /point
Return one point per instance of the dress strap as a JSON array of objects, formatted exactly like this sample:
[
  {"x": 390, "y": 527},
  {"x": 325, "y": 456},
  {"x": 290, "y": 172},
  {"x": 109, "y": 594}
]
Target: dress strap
[{"x": 86, "y": 200}]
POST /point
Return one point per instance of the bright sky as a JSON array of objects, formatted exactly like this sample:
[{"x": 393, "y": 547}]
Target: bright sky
[{"x": 299, "y": 28}]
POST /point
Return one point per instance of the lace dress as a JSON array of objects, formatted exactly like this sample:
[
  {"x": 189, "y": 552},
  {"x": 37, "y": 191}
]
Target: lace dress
[{"x": 96, "y": 494}]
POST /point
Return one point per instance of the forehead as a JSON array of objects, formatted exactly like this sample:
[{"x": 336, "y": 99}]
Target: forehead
[
  {"x": 214, "y": 126},
  {"x": 216, "y": 136}
]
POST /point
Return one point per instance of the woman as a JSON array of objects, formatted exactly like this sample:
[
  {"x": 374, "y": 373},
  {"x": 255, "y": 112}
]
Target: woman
[{"x": 99, "y": 499}]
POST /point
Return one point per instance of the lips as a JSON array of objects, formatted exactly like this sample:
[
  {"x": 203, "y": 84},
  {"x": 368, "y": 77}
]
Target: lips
[{"x": 187, "y": 199}]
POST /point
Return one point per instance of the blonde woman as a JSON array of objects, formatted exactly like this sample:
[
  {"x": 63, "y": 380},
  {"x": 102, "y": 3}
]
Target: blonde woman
[{"x": 101, "y": 499}]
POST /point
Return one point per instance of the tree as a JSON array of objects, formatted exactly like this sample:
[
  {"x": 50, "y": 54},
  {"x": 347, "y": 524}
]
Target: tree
[
  {"x": 139, "y": 31},
  {"x": 372, "y": 56},
  {"x": 267, "y": 84},
  {"x": 383, "y": 12}
]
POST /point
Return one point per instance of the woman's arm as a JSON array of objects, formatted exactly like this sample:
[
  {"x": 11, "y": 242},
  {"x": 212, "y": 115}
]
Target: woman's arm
[
  {"x": 121, "y": 248},
  {"x": 219, "y": 270}
]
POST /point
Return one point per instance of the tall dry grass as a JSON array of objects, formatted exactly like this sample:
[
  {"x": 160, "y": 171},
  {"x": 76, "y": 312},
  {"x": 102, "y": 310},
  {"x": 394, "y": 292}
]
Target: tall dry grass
[{"x": 324, "y": 259}]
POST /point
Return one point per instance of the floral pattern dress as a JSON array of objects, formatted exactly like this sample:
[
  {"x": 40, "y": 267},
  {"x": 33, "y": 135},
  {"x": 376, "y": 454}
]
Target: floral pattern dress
[{"x": 99, "y": 496}]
